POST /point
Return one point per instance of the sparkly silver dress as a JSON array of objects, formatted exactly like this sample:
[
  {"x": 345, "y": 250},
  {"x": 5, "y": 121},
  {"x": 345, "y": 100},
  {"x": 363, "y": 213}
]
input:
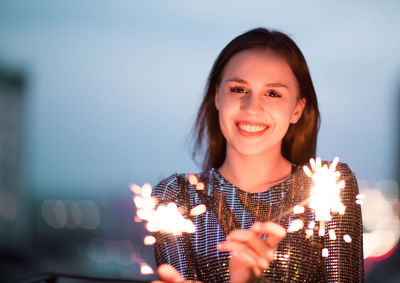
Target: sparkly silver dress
[{"x": 298, "y": 258}]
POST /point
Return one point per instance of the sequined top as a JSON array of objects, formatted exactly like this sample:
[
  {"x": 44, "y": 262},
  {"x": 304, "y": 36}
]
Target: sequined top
[{"x": 298, "y": 258}]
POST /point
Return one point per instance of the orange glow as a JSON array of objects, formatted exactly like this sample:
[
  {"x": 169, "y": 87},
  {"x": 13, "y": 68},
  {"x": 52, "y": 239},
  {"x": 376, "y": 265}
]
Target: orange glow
[
  {"x": 380, "y": 219},
  {"x": 297, "y": 209},
  {"x": 200, "y": 186},
  {"x": 193, "y": 179},
  {"x": 325, "y": 194},
  {"x": 165, "y": 218},
  {"x": 347, "y": 238},
  {"x": 197, "y": 210},
  {"x": 332, "y": 234},
  {"x": 295, "y": 225},
  {"x": 145, "y": 269},
  {"x": 149, "y": 240},
  {"x": 325, "y": 252}
]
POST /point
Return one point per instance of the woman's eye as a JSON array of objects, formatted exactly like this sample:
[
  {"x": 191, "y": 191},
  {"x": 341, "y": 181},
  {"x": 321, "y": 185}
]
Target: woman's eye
[
  {"x": 238, "y": 89},
  {"x": 273, "y": 93}
]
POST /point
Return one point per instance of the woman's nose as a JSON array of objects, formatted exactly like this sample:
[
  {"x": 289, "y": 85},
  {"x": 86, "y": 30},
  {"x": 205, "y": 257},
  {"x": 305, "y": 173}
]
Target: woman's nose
[{"x": 252, "y": 104}]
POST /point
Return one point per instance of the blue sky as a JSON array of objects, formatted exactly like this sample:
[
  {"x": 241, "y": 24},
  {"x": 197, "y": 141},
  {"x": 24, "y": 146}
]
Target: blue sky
[{"x": 114, "y": 86}]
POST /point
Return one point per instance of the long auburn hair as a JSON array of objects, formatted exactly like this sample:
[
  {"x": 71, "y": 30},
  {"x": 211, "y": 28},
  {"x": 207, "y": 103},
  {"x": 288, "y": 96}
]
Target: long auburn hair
[{"x": 299, "y": 143}]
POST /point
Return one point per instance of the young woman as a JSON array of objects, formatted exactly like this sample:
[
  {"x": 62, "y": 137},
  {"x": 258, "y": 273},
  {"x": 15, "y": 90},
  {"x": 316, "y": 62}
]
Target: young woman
[{"x": 258, "y": 121}]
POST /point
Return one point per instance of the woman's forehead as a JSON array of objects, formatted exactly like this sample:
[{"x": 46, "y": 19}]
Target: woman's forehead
[{"x": 258, "y": 64}]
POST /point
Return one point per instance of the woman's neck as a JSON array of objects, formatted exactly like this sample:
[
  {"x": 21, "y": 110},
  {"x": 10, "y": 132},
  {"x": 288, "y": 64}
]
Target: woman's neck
[{"x": 255, "y": 173}]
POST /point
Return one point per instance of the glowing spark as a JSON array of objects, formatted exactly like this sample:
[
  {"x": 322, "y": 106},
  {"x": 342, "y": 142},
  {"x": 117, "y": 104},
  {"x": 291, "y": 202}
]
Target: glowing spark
[
  {"x": 298, "y": 209},
  {"x": 200, "y": 186},
  {"x": 347, "y": 238},
  {"x": 295, "y": 225},
  {"x": 146, "y": 191},
  {"x": 311, "y": 225},
  {"x": 359, "y": 198},
  {"x": 325, "y": 194},
  {"x": 332, "y": 234},
  {"x": 197, "y": 210},
  {"x": 135, "y": 189},
  {"x": 164, "y": 218},
  {"x": 193, "y": 179},
  {"x": 321, "y": 231},
  {"x": 145, "y": 269},
  {"x": 325, "y": 252},
  {"x": 309, "y": 233},
  {"x": 152, "y": 227},
  {"x": 149, "y": 240}
]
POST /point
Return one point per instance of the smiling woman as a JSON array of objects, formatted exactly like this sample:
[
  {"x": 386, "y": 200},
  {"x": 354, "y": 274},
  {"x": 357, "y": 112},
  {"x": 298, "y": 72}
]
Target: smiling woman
[
  {"x": 258, "y": 121},
  {"x": 257, "y": 100}
]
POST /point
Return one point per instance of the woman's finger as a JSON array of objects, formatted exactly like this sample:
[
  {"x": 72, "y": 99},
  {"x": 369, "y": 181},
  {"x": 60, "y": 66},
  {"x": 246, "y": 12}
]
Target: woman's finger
[
  {"x": 245, "y": 254},
  {"x": 167, "y": 273},
  {"x": 252, "y": 239},
  {"x": 274, "y": 232}
]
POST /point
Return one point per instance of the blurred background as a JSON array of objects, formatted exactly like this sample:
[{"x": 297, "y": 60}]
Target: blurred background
[{"x": 95, "y": 95}]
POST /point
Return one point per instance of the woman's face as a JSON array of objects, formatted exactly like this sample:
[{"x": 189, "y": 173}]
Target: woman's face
[{"x": 257, "y": 99}]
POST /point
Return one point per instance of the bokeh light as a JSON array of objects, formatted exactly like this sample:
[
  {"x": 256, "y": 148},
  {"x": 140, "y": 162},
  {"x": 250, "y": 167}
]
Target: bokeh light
[
  {"x": 380, "y": 219},
  {"x": 71, "y": 214}
]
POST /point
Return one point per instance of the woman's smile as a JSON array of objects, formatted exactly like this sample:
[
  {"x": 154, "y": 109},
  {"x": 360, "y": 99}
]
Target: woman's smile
[{"x": 251, "y": 129}]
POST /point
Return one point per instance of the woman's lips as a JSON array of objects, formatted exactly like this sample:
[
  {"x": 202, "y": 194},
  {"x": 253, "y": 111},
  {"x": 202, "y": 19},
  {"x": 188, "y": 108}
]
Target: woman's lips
[{"x": 247, "y": 128}]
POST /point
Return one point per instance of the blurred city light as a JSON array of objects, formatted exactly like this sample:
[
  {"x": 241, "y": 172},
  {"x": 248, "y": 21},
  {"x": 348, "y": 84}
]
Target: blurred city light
[
  {"x": 380, "y": 219},
  {"x": 71, "y": 214}
]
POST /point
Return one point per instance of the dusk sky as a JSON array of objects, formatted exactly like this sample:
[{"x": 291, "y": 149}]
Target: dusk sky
[{"x": 114, "y": 86}]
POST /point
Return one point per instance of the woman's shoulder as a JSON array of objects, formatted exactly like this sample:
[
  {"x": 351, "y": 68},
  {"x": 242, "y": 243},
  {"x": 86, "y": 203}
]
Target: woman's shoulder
[
  {"x": 346, "y": 174},
  {"x": 173, "y": 186},
  {"x": 341, "y": 167},
  {"x": 169, "y": 188}
]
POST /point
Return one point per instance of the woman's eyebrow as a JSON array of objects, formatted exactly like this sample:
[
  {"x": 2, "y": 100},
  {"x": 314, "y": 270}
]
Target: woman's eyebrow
[
  {"x": 237, "y": 80},
  {"x": 276, "y": 85}
]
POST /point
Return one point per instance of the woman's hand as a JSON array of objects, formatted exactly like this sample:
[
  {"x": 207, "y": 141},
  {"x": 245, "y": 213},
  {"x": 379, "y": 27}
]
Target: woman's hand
[
  {"x": 168, "y": 274},
  {"x": 251, "y": 254}
]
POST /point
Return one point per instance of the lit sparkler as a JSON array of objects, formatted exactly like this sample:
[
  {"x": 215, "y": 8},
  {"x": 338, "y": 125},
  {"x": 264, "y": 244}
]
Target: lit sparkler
[
  {"x": 324, "y": 199},
  {"x": 166, "y": 218},
  {"x": 325, "y": 193}
]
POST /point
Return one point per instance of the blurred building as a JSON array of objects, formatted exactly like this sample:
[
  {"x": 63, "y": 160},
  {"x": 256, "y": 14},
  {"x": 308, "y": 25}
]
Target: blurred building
[{"x": 13, "y": 223}]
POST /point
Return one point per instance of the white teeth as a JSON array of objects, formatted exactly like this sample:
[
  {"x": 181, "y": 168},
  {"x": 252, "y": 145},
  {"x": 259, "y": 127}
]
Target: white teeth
[{"x": 251, "y": 128}]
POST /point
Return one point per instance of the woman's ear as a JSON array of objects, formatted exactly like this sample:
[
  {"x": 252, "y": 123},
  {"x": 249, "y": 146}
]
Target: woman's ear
[
  {"x": 298, "y": 111},
  {"x": 216, "y": 100}
]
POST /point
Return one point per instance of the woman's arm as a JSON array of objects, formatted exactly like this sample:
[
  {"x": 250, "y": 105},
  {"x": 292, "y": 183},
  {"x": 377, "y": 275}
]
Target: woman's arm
[
  {"x": 170, "y": 249},
  {"x": 345, "y": 262}
]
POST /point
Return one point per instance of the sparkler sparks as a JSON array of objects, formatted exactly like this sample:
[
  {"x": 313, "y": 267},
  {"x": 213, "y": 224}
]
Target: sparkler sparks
[
  {"x": 347, "y": 238},
  {"x": 145, "y": 269},
  {"x": 149, "y": 240},
  {"x": 325, "y": 194},
  {"x": 197, "y": 210},
  {"x": 297, "y": 209},
  {"x": 166, "y": 218},
  {"x": 332, "y": 234},
  {"x": 360, "y": 199},
  {"x": 192, "y": 179},
  {"x": 324, "y": 199},
  {"x": 295, "y": 225}
]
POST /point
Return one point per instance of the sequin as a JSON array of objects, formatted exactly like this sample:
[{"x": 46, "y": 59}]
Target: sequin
[{"x": 298, "y": 258}]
